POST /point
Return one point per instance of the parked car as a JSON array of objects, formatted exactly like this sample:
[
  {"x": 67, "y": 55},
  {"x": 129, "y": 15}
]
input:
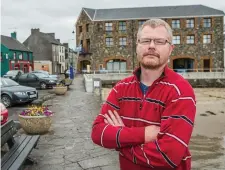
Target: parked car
[
  {"x": 4, "y": 114},
  {"x": 46, "y": 73},
  {"x": 13, "y": 74},
  {"x": 37, "y": 80},
  {"x": 12, "y": 93}
]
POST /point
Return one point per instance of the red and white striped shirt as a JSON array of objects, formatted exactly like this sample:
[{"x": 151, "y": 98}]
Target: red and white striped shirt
[{"x": 169, "y": 103}]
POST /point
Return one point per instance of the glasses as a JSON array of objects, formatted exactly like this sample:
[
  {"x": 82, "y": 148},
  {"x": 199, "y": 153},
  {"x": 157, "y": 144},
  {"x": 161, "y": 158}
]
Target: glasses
[{"x": 157, "y": 41}]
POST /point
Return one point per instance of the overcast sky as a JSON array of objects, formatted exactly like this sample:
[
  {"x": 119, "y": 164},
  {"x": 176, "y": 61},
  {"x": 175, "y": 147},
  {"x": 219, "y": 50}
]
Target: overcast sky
[{"x": 59, "y": 16}]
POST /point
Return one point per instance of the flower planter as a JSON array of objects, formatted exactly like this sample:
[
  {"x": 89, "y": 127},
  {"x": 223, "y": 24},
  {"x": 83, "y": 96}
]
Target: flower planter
[
  {"x": 35, "y": 124},
  {"x": 60, "y": 90}
]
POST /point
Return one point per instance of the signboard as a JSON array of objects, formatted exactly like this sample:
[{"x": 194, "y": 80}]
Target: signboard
[{"x": 96, "y": 83}]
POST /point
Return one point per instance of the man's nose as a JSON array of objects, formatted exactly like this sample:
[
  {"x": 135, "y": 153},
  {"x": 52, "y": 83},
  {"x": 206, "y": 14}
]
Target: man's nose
[{"x": 151, "y": 44}]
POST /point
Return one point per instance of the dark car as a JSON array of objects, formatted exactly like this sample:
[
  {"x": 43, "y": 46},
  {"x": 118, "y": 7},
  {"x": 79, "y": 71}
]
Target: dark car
[
  {"x": 12, "y": 93},
  {"x": 54, "y": 76},
  {"x": 13, "y": 74},
  {"x": 37, "y": 80}
]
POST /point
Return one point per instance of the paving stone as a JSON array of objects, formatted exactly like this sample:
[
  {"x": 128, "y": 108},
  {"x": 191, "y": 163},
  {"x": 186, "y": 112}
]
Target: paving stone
[
  {"x": 68, "y": 144},
  {"x": 96, "y": 162}
]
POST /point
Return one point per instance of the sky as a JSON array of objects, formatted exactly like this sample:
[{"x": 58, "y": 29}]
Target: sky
[{"x": 59, "y": 16}]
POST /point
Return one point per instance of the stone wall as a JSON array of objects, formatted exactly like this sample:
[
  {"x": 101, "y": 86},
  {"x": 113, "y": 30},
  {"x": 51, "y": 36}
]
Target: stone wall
[
  {"x": 198, "y": 51},
  {"x": 207, "y": 82}
]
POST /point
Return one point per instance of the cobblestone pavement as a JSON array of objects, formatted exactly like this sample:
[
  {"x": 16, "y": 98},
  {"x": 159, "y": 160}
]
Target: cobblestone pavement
[{"x": 68, "y": 145}]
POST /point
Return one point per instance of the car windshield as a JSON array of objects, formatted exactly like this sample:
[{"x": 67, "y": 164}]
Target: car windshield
[
  {"x": 12, "y": 72},
  {"x": 41, "y": 75},
  {"x": 8, "y": 82}
]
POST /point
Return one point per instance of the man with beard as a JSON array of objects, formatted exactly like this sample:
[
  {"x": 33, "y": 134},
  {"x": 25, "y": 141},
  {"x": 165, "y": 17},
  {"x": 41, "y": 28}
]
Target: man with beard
[{"x": 149, "y": 116}]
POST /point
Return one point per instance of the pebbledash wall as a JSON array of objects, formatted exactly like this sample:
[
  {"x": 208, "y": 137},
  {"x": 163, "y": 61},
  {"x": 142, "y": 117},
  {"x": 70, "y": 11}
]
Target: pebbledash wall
[{"x": 100, "y": 54}]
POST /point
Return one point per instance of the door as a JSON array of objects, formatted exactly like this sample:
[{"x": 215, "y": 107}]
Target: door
[
  {"x": 32, "y": 80},
  {"x": 206, "y": 65},
  {"x": 22, "y": 80}
]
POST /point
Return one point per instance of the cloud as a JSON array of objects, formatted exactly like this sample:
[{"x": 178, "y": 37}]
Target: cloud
[{"x": 60, "y": 16}]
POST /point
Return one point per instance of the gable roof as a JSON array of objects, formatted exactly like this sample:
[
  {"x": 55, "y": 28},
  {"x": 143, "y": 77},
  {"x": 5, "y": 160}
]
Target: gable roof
[
  {"x": 49, "y": 38},
  {"x": 151, "y": 12},
  {"x": 13, "y": 44},
  {"x": 90, "y": 12}
]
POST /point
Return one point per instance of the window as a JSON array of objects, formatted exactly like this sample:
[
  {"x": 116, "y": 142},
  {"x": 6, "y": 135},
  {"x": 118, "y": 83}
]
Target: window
[
  {"x": 31, "y": 76},
  {"x": 190, "y": 23},
  {"x": 115, "y": 65},
  {"x": 88, "y": 44},
  {"x": 207, "y": 22},
  {"x": 122, "y": 26},
  {"x": 87, "y": 27},
  {"x": 176, "y": 39},
  {"x": 176, "y": 23},
  {"x": 140, "y": 23},
  {"x": 80, "y": 29},
  {"x": 190, "y": 39},
  {"x": 123, "y": 41},
  {"x": 207, "y": 39},
  {"x": 109, "y": 41},
  {"x": 108, "y": 27}
]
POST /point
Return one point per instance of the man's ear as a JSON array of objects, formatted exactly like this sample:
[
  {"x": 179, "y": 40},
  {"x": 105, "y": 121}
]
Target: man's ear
[{"x": 171, "y": 48}]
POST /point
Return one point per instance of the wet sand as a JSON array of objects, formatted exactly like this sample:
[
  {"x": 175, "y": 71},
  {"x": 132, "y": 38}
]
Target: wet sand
[{"x": 207, "y": 144}]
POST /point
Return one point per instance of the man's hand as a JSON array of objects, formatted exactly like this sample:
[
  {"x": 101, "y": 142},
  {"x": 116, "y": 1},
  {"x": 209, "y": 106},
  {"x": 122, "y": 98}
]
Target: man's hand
[
  {"x": 113, "y": 118},
  {"x": 151, "y": 133}
]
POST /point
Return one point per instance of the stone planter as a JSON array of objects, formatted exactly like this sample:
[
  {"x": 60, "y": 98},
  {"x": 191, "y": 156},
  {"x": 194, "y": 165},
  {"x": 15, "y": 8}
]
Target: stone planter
[
  {"x": 35, "y": 124},
  {"x": 60, "y": 90}
]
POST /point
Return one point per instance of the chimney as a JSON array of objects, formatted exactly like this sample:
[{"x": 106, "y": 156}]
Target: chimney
[
  {"x": 13, "y": 35},
  {"x": 52, "y": 34},
  {"x": 35, "y": 30},
  {"x": 58, "y": 40}
]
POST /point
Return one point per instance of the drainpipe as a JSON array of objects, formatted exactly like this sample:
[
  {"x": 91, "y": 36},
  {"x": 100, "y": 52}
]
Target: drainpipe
[{"x": 133, "y": 45}]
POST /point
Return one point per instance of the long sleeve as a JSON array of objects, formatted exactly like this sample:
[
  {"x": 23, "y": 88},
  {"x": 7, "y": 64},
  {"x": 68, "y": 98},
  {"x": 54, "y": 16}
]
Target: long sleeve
[
  {"x": 109, "y": 136},
  {"x": 171, "y": 145}
]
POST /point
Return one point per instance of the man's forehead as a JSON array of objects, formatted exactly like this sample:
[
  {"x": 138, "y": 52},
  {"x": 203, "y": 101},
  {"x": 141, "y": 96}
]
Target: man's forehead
[{"x": 154, "y": 31}]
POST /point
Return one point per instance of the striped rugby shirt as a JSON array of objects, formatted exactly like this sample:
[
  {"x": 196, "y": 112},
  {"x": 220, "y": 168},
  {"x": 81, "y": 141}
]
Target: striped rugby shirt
[{"x": 169, "y": 103}]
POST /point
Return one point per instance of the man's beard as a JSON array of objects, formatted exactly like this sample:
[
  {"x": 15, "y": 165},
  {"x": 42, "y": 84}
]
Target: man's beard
[{"x": 152, "y": 65}]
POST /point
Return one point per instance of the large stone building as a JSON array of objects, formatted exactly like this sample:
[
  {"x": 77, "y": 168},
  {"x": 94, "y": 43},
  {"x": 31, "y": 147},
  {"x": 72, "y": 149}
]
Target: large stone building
[
  {"x": 108, "y": 37},
  {"x": 49, "y": 53}
]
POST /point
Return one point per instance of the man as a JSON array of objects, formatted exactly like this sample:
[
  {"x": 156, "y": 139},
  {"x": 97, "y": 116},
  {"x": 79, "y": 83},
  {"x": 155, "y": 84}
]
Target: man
[{"x": 149, "y": 116}]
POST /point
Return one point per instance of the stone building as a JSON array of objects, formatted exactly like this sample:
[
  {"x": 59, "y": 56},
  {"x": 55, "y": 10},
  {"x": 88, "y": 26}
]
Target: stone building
[{"x": 108, "y": 37}]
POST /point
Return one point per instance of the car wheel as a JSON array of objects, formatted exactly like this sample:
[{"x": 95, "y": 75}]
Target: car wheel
[
  {"x": 6, "y": 100},
  {"x": 43, "y": 85}
]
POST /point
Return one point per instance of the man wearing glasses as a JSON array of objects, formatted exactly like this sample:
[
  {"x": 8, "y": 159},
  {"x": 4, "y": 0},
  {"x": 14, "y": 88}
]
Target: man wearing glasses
[{"x": 148, "y": 117}]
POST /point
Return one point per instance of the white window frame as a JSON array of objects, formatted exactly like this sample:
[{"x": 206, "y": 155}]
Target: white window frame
[
  {"x": 207, "y": 22},
  {"x": 207, "y": 38},
  {"x": 109, "y": 41},
  {"x": 176, "y": 39},
  {"x": 108, "y": 27},
  {"x": 190, "y": 23},
  {"x": 175, "y": 23},
  {"x": 190, "y": 39},
  {"x": 123, "y": 41}
]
